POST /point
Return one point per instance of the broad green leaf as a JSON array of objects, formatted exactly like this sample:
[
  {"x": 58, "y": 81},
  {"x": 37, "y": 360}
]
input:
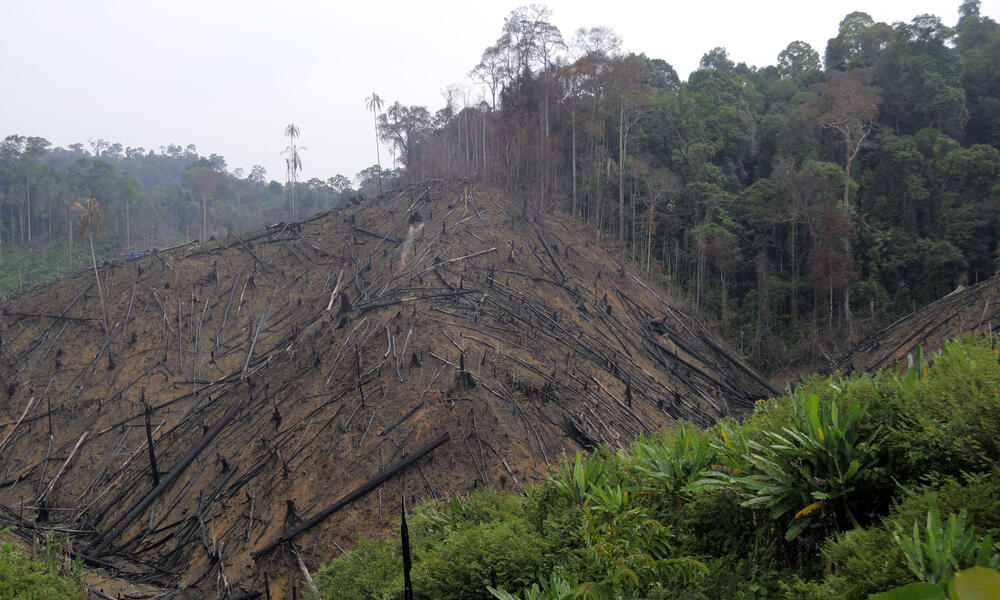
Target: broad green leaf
[
  {"x": 797, "y": 527},
  {"x": 977, "y": 583},
  {"x": 913, "y": 591},
  {"x": 812, "y": 409}
]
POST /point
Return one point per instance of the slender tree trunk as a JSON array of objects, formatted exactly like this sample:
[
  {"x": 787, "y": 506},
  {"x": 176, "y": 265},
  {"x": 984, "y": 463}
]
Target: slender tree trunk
[
  {"x": 572, "y": 119},
  {"x": 632, "y": 237},
  {"x": 762, "y": 303},
  {"x": 97, "y": 276},
  {"x": 69, "y": 244},
  {"x": 378, "y": 153},
  {"x": 847, "y": 180},
  {"x": 847, "y": 244},
  {"x": 621, "y": 172},
  {"x": 795, "y": 275},
  {"x": 649, "y": 244},
  {"x": 724, "y": 310},
  {"x": 852, "y": 151},
  {"x": 27, "y": 196},
  {"x": 204, "y": 217}
]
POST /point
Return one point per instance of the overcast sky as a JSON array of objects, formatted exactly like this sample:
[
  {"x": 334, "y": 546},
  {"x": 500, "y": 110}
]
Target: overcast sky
[{"x": 229, "y": 76}]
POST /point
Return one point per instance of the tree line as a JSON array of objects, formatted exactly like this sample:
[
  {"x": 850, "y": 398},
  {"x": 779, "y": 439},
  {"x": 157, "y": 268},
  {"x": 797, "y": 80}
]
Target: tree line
[
  {"x": 148, "y": 198},
  {"x": 798, "y": 204}
]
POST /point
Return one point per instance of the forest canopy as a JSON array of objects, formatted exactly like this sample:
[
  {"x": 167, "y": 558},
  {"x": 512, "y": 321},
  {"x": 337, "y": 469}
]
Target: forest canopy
[
  {"x": 149, "y": 198},
  {"x": 796, "y": 205}
]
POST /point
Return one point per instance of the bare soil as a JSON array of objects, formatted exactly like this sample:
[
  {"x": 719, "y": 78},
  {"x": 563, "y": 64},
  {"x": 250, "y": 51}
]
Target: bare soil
[{"x": 281, "y": 370}]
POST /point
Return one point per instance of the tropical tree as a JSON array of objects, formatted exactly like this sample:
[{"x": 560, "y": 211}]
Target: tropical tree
[
  {"x": 374, "y": 104},
  {"x": 797, "y": 59},
  {"x": 206, "y": 182},
  {"x": 91, "y": 217},
  {"x": 293, "y": 162},
  {"x": 402, "y": 126},
  {"x": 848, "y": 104}
]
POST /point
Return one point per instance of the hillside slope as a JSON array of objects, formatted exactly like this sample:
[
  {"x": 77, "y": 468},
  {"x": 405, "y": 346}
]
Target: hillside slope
[
  {"x": 280, "y": 371},
  {"x": 966, "y": 310}
]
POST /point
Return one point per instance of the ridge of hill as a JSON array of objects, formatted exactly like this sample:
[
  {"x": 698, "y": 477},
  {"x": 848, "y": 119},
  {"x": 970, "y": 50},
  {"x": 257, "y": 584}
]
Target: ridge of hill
[
  {"x": 455, "y": 336},
  {"x": 967, "y": 310}
]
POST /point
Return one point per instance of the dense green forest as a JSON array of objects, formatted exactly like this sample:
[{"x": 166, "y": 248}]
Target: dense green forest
[
  {"x": 847, "y": 486},
  {"x": 148, "y": 199},
  {"x": 797, "y": 206}
]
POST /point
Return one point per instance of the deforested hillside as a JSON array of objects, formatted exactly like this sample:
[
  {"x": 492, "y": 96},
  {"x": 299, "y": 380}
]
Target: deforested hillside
[
  {"x": 212, "y": 426},
  {"x": 967, "y": 310}
]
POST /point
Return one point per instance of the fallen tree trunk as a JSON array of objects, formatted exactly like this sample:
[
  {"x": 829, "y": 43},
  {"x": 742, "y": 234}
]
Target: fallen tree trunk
[
  {"x": 101, "y": 542},
  {"x": 357, "y": 493}
]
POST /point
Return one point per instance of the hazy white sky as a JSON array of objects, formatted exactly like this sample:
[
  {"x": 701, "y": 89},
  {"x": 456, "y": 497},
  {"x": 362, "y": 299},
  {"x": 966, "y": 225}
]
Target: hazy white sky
[{"x": 228, "y": 76}]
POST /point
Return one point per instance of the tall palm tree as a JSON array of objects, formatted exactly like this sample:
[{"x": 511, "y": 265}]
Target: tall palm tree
[
  {"x": 89, "y": 223},
  {"x": 374, "y": 104},
  {"x": 293, "y": 162}
]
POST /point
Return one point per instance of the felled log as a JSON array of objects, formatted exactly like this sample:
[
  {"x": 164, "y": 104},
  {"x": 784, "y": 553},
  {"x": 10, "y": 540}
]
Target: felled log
[
  {"x": 102, "y": 541},
  {"x": 357, "y": 493}
]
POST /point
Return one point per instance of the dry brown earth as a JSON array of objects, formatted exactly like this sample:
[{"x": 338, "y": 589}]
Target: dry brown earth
[{"x": 283, "y": 369}]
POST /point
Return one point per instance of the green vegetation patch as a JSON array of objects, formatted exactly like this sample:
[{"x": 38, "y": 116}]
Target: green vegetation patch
[{"x": 843, "y": 488}]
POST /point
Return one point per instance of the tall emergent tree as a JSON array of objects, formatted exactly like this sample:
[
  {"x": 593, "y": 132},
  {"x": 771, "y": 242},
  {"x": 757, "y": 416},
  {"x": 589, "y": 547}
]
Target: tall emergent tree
[
  {"x": 374, "y": 104},
  {"x": 89, "y": 223},
  {"x": 293, "y": 162},
  {"x": 848, "y": 104}
]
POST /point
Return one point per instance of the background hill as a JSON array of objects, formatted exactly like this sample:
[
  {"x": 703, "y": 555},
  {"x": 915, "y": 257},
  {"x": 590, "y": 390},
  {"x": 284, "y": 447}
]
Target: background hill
[
  {"x": 149, "y": 199},
  {"x": 797, "y": 205}
]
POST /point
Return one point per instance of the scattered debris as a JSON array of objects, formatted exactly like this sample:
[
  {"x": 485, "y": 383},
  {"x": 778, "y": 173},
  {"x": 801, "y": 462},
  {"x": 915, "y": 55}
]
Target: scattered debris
[
  {"x": 290, "y": 366},
  {"x": 964, "y": 311}
]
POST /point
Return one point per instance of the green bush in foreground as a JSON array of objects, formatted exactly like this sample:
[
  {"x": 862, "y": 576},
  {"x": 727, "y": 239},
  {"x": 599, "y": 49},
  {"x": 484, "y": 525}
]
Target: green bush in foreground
[
  {"x": 802, "y": 500},
  {"x": 25, "y": 578}
]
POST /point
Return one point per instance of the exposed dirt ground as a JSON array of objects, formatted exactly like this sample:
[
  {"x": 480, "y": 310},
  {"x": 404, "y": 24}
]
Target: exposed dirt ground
[{"x": 280, "y": 371}]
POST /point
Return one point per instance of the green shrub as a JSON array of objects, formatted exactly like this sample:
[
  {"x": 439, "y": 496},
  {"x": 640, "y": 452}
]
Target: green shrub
[
  {"x": 947, "y": 548},
  {"x": 574, "y": 480},
  {"x": 673, "y": 460},
  {"x": 555, "y": 588},
  {"x": 813, "y": 468},
  {"x": 25, "y": 578},
  {"x": 867, "y": 561},
  {"x": 506, "y": 551},
  {"x": 373, "y": 570},
  {"x": 947, "y": 422}
]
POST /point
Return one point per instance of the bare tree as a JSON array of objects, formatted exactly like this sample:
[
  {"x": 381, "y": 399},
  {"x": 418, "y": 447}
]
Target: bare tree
[
  {"x": 660, "y": 183},
  {"x": 374, "y": 104},
  {"x": 91, "y": 217}
]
